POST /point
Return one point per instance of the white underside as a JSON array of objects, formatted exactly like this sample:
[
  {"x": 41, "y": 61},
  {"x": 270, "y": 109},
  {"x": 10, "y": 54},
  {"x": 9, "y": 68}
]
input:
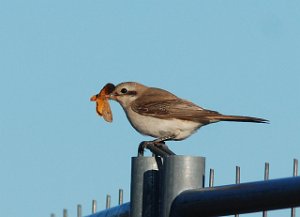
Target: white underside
[{"x": 159, "y": 128}]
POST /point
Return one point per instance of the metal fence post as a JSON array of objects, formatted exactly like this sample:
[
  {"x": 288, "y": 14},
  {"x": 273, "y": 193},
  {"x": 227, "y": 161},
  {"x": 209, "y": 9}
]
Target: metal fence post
[
  {"x": 180, "y": 173},
  {"x": 144, "y": 192}
]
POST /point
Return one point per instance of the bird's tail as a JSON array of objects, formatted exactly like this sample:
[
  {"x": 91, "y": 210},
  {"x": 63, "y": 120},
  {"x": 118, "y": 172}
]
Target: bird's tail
[{"x": 239, "y": 118}]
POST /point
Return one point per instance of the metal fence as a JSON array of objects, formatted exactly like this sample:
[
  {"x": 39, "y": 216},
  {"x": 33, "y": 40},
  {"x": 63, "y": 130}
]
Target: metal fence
[{"x": 174, "y": 187}]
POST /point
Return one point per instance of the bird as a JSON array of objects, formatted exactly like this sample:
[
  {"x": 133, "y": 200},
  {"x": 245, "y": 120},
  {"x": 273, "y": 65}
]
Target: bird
[{"x": 160, "y": 114}]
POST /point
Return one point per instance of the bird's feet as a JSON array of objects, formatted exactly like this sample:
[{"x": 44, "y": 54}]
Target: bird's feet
[{"x": 158, "y": 148}]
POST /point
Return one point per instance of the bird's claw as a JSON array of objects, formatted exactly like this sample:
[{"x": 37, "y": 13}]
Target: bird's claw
[
  {"x": 157, "y": 148},
  {"x": 141, "y": 148}
]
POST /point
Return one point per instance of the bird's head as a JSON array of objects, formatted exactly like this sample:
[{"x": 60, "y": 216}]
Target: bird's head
[{"x": 125, "y": 93}]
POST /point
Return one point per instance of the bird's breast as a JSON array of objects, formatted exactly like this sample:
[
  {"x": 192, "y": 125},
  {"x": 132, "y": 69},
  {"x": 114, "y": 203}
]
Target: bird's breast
[{"x": 157, "y": 127}]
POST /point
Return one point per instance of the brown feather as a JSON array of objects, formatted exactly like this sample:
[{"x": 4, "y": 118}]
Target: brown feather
[
  {"x": 240, "y": 119},
  {"x": 165, "y": 105}
]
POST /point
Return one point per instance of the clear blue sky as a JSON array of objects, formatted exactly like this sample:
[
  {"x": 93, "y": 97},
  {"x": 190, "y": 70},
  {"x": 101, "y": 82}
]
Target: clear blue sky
[{"x": 236, "y": 57}]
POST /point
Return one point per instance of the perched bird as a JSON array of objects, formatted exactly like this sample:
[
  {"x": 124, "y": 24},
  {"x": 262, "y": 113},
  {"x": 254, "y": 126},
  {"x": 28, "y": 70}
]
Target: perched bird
[{"x": 158, "y": 113}]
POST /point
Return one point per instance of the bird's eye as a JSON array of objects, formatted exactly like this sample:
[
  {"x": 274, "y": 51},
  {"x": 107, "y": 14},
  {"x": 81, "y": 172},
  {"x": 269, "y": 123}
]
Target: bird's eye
[{"x": 124, "y": 90}]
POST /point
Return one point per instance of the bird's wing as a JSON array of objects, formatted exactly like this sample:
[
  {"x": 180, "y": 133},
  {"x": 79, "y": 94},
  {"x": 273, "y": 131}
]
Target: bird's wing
[{"x": 167, "y": 106}]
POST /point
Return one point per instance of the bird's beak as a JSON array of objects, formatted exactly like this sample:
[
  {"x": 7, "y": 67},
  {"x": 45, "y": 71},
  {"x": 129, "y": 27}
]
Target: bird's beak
[{"x": 113, "y": 95}]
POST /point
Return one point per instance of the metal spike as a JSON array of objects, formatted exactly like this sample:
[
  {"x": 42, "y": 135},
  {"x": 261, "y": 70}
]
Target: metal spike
[
  {"x": 211, "y": 177},
  {"x": 65, "y": 213},
  {"x": 120, "y": 196},
  {"x": 108, "y": 199},
  {"x": 295, "y": 167},
  {"x": 237, "y": 179},
  {"x": 79, "y": 210},
  {"x": 237, "y": 174},
  {"x": 266, "y": 177},
  {"x": 94, "y": 206},
  {"x": 295, "y": 173}
]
